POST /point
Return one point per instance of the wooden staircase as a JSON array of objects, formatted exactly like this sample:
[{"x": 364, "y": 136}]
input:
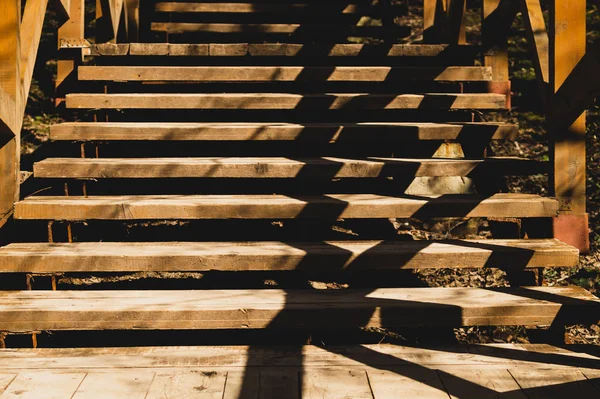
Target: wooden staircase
[{"x": 255, "y": 137}]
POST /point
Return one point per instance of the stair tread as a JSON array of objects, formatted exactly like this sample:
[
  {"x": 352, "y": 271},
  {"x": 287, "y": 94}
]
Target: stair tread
[
  {"x": 248, "y": 7},
  {"x": 328, "y": 132},
  {"x": 274, "y": 255},
  {"x": 275, "y": 308},
  {"x": 282, "y": 49},
  {"x": 286, "y": 101},
  {"x": 280, "y": 167},
  {"x": 326, "y": 207},
  {"x": 283, "y": 73}
]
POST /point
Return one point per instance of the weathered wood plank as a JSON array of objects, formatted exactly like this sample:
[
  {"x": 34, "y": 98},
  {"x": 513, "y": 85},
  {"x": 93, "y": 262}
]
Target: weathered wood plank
[
  {"x": 325, "y": 256},
  {"x": 31, "y": 31},
  {"x": 280, "y": 168},
  {"x": 282, "y": 73},
  {"x": 271, "y": 8},
  {"x": 481, "y": 384},
  {"x": 242, "y": 384},
  {"x": 406, "y": 382},
  {"x": 43, "y": 384},
  {"x": 288, "y": 49},
  {"x": 346, "y": 101},
  {"x": 11, "y": 96},
  {"x": 330, "y": 207},
  {"x": 335, "y": 384},
  {"x": 132, "y": 384},
  {"x": 554, "y": 384},
  {"x": 192, "y": 384},
  {"x": 5, "y": 380},
  {"x": 327, "y": 132},
  {"x": 568, "y": 148},
  {"x": 240, "y": 358},
  {"x": 351, "y": 308}
]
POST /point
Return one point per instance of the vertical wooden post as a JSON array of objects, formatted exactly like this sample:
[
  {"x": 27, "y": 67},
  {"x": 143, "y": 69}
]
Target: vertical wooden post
[
  {"x": 568, "y": 178},
  {"x": 498, "y": 16},
  {"x": 74, "y": 28},
  {"x": 443, "y": 21},
  {"x": 11, "y": 104}
]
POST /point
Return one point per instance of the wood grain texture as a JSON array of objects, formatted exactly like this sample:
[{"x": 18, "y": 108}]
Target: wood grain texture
[
  {"x": 330, "y": 207},
  {"x": 282, "y": 73},
  {"x": 324, "y": 132},
  {"x": 271, "y": 308},
  {"x": 325, "y": 168},
  {"x": 225, "y": 358},
  {"x": 317, "y": 256},
  {"x": 187, "y": 384},
  {"x": 282, "y": 101},
  {"x": 284, "y": 49},
  {"x": 43, "y": 384},
  {"x": 335, "y": 384}
]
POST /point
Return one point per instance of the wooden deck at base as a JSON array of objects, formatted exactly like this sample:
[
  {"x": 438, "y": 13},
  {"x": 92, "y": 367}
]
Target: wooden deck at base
[
  {"x": 319, "y": 132},
  {"x": 269, "y": 256},
  {"x": 307, "y": 372},
  {"x": 284, "y": 101},
  {"x": 326, "y": 207},
  {"x": 22, "y": 311}
]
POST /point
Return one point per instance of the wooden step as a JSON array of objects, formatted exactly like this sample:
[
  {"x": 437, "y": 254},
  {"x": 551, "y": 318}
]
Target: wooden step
[
  {"x": 271, "y": 256},
  {"x": 283, "y": 73},
  {"x": 283, "y": 50},
  {"x": 283, "y": 101},
  {"x": 280, "y": 168},
  {"x": 273, "y": 308},
  {"x": 323, "y": 132},
  {"x": 328, "y": 207},
  {"x": 267, "y": 8},
  {"x": 324, "y": 32}
]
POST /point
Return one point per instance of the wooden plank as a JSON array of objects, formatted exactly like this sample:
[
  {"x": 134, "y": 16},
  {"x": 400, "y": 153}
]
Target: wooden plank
[
  {"x": 537, "y": 35},
  {"x": 325, "y": 132},
  {"x": 407, "y": 382},
  {"x": 271, "y": 8},
  {"x": 132, "y": 19},
  {"x": 329, "y": 206},
  {"x": 43, "y": 384},
  {"x": 122, "y": 384},
  {"x": 5, "y": 380},
  {"x": 334, "y": 31},
  {"x": 281, "y": 73},
  {"x": 292, "y": 49},
  {"x": 279, "y": 383},
  {"x": 326, "y": 168},
  {"x": 346, "y": 101},
  {"x": 457, "y": 29},
  {"x": 481, "y": 384},
  {"x": 11, "y": 107},
  {"x": 31, "y": 31},
  {"x": 72, "y": 29},
  {"x": 23, "y": 311},
  {"x": 242, "y": 384},
  {"x": 554, "y": 384},
  {"x": 249, "y": 358},
  {"x": 188, "y": 384},
  {"x": 568, "y": 47},
  {"x": 9, "y": 186},
  {"x": 315, "y": 256},
  {"x": 335, "y": 384}
]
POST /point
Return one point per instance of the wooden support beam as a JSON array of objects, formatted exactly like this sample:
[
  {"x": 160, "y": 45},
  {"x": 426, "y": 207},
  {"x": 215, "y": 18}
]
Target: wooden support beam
[
  {"x": 537, "y": 35},
  {"x": 444, "y": 21},
  {"x": 31, "y": 32},
  {"x": 11, "y": 103},
  {"x": 109, "y": 19},
  {"x": 567, "y": 50},
  {"x": 132, "y": 14},
  {"x": 72, "y": 29}
]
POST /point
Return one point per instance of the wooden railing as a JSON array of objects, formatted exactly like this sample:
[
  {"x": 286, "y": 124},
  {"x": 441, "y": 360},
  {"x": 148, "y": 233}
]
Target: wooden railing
[
  {"x": 19, "y": 41},
  {"x": 565, "y": 73}
]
